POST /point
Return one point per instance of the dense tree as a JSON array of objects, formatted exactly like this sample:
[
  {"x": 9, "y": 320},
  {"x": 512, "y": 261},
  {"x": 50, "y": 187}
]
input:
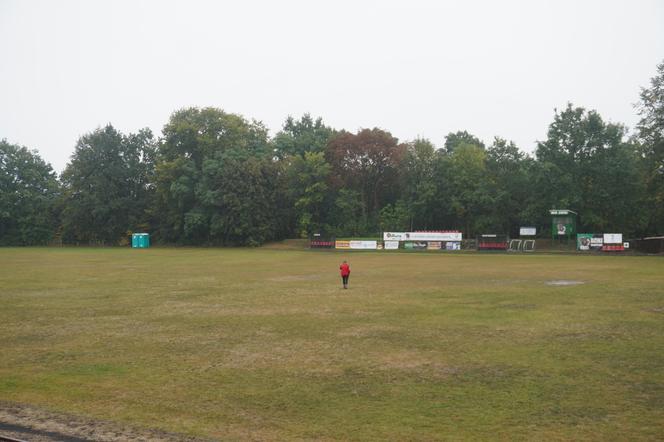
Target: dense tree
[
  {"x": 650, "y": 131},
  {"x": 419, "y": 188},
  {"x": 586, "y": 165},
  {"x": 368, "y": 163},
  {"x": 215, "y": 180},
  {"x": 300, "y": 136},
  {"x": 236, "y": 197},
  {"x": 28, "y": 194},
  {"x": 455, "y": 139},
  {"x": 107, "y": 186},
  {"x": 396, "y": 217},
  {"x": 308, "y": 189},
  {"x": 469, "y": 195},
  {"x": 508, "y": 174}
]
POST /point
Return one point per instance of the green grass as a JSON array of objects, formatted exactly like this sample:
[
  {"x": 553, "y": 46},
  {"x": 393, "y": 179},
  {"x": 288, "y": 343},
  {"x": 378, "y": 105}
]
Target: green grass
[{"x": 264, "y": 344}]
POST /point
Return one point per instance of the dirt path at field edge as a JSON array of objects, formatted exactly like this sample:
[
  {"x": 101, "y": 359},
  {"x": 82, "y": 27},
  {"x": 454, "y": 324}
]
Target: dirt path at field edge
[{"x": 36, "y": 425}]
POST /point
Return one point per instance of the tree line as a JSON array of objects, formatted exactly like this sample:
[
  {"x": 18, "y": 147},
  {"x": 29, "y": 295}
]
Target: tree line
[{"x": 217, "y": 178}]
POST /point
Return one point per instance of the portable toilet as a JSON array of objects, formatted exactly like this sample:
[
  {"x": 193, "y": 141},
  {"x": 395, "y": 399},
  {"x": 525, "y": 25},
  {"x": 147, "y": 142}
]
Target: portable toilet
[{"x": 140, "y": 240}]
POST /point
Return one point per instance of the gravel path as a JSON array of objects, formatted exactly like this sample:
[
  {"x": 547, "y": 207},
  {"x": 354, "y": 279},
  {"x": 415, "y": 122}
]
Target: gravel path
[{"x": 35, "y": 425}]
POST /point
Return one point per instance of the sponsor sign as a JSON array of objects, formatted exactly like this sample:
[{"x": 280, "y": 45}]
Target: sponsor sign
[
  {"x": 422, "y": 236},
  {"x": 583, "y": 241},
  {"x": 419, "y": 245},
  {"x": 391, "y": 245},
  {"x": 527, "y": 231},
  {"x": 561, "y": 229},
  {"x": 452, "y": 245},
  {"x": 625, "y": 245},
  {"x": 596, "y": 242},
  {"x": 394, "y": 236},
  {"x": 560, "y": 212},
  {"x": 613, "y": 238},
  {"x": 342, "y": 244},
  {"x": 434, "y": 245},
  {"x": 320, "y": 244},
  {"x": 363, "y": 245}
]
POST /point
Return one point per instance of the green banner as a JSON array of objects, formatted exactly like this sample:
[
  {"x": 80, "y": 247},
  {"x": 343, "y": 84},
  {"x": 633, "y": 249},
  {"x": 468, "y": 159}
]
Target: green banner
[{"x": 583, "y": 241}]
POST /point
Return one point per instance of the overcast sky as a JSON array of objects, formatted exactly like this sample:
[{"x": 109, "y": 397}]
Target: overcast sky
[{"x": 415, "y": 68}]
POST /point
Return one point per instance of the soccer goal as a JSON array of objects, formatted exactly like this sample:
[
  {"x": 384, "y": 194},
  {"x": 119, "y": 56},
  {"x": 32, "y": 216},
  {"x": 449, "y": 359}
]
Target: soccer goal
[
  {"x": 528, "y": 245},
  {"x": 515, "y": 245}
]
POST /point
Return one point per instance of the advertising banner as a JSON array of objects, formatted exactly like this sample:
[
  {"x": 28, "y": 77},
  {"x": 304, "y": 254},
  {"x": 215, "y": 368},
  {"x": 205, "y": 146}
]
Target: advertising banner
[
  {"x": 613, "y": 238},
  {"x": 583, "y": 241},
  {"x": 453, "y": 245},
  {"x": 391, "y": 245},
  {"x": 527, "y": 231},
  {"x": 394, "y": 236},
  {"x": 597, "y": 242},
  {"x": 419, "y": 245},
  {"x": 434, "y": 245},
  {"x": 321, "y": 244},
  {"x": 363, "y": 245},
  {"x": 422, "y": 236},
  {"x": 342, "y": 244}
]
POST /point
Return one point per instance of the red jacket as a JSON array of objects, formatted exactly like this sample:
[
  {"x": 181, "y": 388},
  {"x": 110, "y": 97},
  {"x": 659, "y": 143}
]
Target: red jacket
[{"x": 345, "y": 269}]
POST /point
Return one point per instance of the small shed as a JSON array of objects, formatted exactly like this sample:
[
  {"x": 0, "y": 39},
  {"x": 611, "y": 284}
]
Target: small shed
[{"x": 563, "y": 223}]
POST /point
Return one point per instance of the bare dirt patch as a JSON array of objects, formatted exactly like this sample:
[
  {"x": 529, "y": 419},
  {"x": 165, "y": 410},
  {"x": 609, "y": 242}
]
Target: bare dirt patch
[
  {"x": 294, "y": 278},
  {"x": 563, "y": 282},
  {"x": 34, "y": 424},
  {"x": 414, "y": 361}
]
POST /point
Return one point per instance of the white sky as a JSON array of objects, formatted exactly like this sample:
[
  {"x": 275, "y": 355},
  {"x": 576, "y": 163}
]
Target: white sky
[{"x": 415, "y": 68}]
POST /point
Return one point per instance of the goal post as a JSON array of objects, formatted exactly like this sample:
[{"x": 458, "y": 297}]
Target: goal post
[
  {"x": 515, "y": 245},
  {"x": 528, "y": 245}
]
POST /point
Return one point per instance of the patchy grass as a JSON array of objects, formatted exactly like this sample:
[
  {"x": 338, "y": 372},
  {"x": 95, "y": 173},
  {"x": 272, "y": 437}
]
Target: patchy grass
[{"x": 264, "y": 344}]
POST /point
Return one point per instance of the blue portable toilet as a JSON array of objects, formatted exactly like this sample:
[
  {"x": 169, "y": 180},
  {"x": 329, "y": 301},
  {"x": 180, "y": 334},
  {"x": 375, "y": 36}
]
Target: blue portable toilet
[{"x": 140, "y": 240}]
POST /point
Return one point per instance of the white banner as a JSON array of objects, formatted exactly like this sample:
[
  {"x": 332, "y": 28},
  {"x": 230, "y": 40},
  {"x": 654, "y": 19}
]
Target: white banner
[
  {"x": 527, "y": 231},
  {"x": 613, "y": 238},
  {"x": 453, "y": 245},
  {"x": 394, "y": 236},
  {"x": 391, "y": 245},
  {"x": 365, "y": 245},
  {"x": 422, "y": 236}
]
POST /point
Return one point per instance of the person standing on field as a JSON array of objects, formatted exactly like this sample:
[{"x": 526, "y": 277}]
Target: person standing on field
[{"x": 344, "y": 268}]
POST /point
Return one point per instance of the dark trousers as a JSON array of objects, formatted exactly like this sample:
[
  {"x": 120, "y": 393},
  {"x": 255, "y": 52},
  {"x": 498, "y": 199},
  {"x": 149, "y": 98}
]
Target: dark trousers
[{"x": 345, "y": 279}]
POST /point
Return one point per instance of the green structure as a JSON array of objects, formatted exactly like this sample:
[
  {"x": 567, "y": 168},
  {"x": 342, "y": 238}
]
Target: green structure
[
  {"x": 140, "y": 240},
  {"x": 563, "y": 223}
]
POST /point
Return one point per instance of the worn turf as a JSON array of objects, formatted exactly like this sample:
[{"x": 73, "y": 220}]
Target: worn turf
[{"x": 264, "y": 344}]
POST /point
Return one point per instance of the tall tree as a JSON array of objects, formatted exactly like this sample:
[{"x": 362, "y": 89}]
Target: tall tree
[
  {"x": 650, "y": 131},
  {"x": 107, "y": 186},
  {"x": 300, "y": 136},
  {"x": 367, "y": 163},
  {"x": 508, "y": 173},
  {"x": 469, "y": 197},
  {"x": 28, "y": 194},
  {"x": 586, "y": 165},
  {"x": 308, "y": 188},
  {"x": 215, "y": 179},
  {"x": 419, "y": 188},
  {"x": 455, "y": 139},
  {"x": 237, "y": 199}
]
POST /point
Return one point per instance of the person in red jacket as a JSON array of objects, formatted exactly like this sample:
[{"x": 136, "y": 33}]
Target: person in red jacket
[{"x": 344, "y": 268}]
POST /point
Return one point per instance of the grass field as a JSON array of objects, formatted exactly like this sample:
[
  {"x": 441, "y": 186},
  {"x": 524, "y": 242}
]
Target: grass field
[{"x": 264, "y": 344}]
